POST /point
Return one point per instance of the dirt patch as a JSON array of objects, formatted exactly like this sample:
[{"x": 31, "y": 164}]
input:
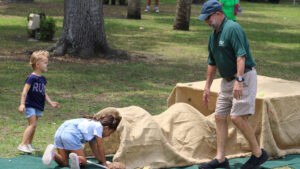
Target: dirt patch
[
  {"x": 94, "y": 61},
  {"x": 3, "y": 3}
]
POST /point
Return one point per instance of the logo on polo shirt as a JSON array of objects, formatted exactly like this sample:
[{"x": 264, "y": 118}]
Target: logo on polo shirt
[{"x": 221, "y": 43}]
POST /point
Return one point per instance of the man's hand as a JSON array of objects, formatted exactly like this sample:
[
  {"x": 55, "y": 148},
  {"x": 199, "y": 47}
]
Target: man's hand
[
  {"x": 206, "y": 96},
  {"x": 237, "y": 91}
]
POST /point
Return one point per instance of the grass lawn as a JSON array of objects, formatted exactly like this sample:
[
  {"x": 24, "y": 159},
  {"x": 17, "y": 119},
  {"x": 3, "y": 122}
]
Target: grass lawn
[{"x": 166, "y": 58}]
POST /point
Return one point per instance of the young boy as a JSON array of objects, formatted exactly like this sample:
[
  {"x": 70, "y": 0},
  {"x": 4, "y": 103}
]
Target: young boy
[{"x": 33, "y": 98}]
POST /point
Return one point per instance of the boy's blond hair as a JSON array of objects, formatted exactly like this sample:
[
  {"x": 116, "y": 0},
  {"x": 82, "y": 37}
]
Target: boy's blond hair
[{"x": 38, "y": 55}]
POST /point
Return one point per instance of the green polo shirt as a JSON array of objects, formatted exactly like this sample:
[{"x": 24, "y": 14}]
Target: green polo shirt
[{"x": 226, "y": 45}]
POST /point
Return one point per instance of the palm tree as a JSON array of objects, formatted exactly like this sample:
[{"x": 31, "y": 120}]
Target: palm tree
[
  {"x": 183, "y": 13},
  {"x": 134, "y": 9}
]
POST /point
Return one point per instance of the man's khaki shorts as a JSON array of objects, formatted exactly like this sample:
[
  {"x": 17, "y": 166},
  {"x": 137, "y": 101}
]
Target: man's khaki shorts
[{"x": 226, "y": 104}]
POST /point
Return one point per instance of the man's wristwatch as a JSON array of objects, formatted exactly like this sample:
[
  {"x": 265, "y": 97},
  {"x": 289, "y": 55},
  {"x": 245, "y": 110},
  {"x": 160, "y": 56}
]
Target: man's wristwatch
[{"x": 239, "y": 79}]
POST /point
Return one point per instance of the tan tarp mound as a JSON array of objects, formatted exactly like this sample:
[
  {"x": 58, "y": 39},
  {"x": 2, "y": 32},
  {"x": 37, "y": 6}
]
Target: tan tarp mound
[
  {"x": 277, "y": 111},
  {"x": 183, "y": 136},
  {"x": 180, "y": 136}
]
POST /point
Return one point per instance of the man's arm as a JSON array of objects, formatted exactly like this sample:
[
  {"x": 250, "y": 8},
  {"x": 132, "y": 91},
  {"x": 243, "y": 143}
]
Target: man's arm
[
  {"x": 210, "y": 75},
  {"x": 238, "y": 86}
]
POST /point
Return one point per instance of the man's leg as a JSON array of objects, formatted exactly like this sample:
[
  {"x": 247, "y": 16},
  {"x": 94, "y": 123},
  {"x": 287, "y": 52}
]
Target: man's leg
[
  {"x": 156, "y": 6},
  {"x": 223, "y": 107},
  {"x": 156, "y": 3},
  {"x": 148, "y": 6},
  {"x": 259, "y": 156},
  {"x": 244, "y": 107},
  {"x": 242, "y": 124},
  {"x": 222, "y": 132},
  {"x": 240, "y": 110}
]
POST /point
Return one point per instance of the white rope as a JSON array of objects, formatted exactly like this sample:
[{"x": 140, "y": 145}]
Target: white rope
[{"x": 99, "y": 165}]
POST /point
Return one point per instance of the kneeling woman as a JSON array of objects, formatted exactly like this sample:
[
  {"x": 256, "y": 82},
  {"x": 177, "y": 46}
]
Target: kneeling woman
[{"x": 72, "y": 133}]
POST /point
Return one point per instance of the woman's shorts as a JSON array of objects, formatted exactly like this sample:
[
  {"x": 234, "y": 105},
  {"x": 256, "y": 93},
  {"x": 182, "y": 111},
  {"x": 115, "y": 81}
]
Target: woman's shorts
[
  {"x": 68, "y": 137},
  {"x": 33, "y": 112}
]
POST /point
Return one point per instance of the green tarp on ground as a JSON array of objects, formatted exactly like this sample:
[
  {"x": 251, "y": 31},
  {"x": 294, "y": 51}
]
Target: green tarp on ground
[
  {"x": 32, "y": 162},
  {"x": 35, "y": 162},
  {"x": 290, "y": 160}
]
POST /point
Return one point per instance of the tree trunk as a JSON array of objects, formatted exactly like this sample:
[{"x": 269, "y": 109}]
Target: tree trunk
[
  {"x": 134, "y": 9},
  {"x": 183, "y": 13},
  {"x": 83, "y": 29}
]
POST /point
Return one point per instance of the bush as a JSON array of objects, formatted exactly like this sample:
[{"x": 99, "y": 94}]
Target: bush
[{"x": 47, "y": 28}]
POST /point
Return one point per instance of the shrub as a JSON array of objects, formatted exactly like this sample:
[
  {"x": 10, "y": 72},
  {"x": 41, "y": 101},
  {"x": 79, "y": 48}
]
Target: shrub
[{"x": 47, "y": 28}]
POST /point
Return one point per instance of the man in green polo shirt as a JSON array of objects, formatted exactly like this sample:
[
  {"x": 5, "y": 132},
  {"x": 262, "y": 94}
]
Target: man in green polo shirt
[{"x": 229, "y": 53}]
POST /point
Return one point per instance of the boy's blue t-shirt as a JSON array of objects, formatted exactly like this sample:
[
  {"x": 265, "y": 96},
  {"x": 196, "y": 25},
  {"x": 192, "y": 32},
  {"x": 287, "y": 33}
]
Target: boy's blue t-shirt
[{"x": 36, "y": 94}]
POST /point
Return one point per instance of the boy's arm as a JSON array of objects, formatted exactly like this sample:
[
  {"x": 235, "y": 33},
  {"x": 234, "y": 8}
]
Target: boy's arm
[
  {"x": 100, "y": 150},
  {"x": 52, "y": 103},
  {"x": 23, "y": 98},
  {"x": 94, "y": 149}
]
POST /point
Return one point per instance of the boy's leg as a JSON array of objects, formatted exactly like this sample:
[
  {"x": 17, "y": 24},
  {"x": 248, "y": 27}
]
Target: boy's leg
[
  {"x": 61, "y": 157},
  {"x": 48, "y": 154},
  {"x": 29, "y": 131},
  {"x": 81, "y": 156},
  {"x": 33, "y": 124}
]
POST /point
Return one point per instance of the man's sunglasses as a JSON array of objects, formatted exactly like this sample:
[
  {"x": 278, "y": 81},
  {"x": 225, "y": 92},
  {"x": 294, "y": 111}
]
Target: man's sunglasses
[{"x": 210, "y": 16}]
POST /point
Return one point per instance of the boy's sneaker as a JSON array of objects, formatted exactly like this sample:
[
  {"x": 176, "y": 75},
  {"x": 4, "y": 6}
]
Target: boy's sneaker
[
  {"x": 255, "y": 162},
  {"x": 31, "y": 148},
  {"x": 157, "y": 9},
  {"x": 24, "y": 149},
  {"x": 147, "y": 9},
  {"x": 48, "y": 154},
  {"x": 215, "y": 164},
  {"x": 74, "y": 161}
]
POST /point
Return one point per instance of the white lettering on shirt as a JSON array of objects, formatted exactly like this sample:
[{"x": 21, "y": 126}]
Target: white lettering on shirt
[{"x": 35, "y": 87}]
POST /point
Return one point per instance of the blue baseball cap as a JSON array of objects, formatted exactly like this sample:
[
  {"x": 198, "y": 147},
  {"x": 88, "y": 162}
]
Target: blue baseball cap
[{"x": 208, "y": 8}]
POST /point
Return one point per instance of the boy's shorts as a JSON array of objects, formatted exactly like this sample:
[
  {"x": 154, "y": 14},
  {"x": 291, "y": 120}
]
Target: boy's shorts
[
  {"x": 226, "y": 104},
  {"x": 68, "y": 137},
  {"x": 30, "y": 111}
]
